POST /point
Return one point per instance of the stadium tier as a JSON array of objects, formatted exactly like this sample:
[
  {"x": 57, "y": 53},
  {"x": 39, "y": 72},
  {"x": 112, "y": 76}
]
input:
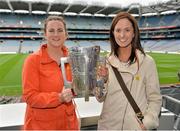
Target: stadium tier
[{"x": 25, "y": 31}]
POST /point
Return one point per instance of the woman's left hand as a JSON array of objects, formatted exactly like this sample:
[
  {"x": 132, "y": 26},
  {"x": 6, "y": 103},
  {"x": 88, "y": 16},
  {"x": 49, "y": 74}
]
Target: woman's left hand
[
  {"x": 141, "y": 124},
  {"x": 66, "y": 95}
]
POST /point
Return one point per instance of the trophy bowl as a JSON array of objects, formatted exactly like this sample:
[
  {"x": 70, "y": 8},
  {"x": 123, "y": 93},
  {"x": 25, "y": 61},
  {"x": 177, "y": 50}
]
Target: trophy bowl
[{"x": 83, "y": 61}]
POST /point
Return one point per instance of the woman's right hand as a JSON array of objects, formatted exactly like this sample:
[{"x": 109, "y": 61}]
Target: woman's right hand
[
  {"x": 66, "y": 95},
  {"x": 102, "y": 72}
]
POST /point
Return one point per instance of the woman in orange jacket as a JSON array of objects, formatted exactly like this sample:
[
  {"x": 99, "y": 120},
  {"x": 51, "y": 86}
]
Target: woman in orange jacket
[{"x": 49, "y": 104}]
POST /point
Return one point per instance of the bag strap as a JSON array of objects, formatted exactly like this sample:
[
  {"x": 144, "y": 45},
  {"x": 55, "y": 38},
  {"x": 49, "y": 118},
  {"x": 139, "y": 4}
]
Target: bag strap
[{"x": 128, "y": 94}]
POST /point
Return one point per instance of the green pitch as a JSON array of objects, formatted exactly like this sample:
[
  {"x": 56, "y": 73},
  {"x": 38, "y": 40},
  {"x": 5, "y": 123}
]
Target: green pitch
[
  {"x": 10, "y": 73},
  {"x": 11, "y": 69},
  {"x": 168, "y": 65}
]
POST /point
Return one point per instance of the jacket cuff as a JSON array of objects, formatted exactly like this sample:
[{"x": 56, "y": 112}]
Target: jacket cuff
[{"x": 150, "y": 122}]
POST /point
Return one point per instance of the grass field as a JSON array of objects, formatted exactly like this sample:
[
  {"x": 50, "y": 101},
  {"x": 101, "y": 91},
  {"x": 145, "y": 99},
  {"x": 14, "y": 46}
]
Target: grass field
[
  {"x": 11, "y": 66},
  {"x": 168, "y": 65}
]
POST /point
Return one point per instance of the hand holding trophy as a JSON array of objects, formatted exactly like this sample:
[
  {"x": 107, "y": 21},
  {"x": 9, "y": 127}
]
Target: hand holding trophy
[
  {"x": 102, "y": 77},
  {"x": 102, "y": 70}
]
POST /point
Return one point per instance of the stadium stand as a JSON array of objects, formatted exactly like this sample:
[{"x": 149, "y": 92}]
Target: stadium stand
[{"x": 93, "y": 30}]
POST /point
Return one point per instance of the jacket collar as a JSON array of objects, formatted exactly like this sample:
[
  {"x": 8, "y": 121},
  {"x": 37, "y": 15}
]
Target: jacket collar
[
  {"x": 133, "y": 68},
  {"x": 44, "y": 57}
]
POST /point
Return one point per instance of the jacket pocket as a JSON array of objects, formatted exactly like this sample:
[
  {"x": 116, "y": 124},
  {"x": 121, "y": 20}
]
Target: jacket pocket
[
  {"x": 72, "y": 122},
  {"x": 45, "y": 114}
]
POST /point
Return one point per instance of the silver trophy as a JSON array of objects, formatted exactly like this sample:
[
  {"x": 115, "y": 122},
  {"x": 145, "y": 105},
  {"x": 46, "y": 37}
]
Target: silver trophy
[{"x": 83, "y": 61}]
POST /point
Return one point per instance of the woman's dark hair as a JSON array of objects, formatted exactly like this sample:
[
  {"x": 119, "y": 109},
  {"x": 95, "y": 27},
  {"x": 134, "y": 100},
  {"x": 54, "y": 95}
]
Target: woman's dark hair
[{"x": 135, "y": 41}]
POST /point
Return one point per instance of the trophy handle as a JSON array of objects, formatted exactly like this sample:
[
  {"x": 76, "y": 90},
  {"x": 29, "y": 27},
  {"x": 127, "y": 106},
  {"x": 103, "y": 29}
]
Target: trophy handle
[{"x": 67, "y": 83}]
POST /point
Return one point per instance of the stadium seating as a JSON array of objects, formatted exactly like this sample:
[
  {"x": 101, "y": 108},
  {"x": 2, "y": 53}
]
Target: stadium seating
[{"x": 87, "y": 30}]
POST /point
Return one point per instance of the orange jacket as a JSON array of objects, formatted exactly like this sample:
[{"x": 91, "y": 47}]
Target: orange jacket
[{"x": 42, "y": 82}]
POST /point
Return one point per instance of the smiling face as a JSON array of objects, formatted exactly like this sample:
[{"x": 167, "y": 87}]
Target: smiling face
[
  {"x": 55, "y": 33},
  {"x": 123, "y": 33}
]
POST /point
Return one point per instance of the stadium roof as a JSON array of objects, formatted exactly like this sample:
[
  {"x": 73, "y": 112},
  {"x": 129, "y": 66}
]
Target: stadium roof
[{"x": 80, "y": 7}]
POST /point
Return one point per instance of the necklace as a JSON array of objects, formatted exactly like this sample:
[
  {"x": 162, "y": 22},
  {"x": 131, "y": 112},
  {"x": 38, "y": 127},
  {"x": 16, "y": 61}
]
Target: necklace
[{"x": 126, "y": 64}]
